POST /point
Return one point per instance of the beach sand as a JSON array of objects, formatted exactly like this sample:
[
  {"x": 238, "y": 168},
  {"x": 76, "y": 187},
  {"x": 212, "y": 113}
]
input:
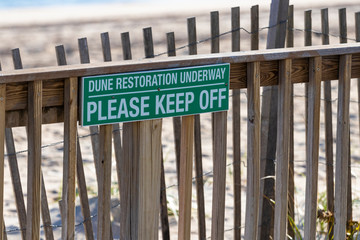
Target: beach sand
[{"x": 36, "y": 32}]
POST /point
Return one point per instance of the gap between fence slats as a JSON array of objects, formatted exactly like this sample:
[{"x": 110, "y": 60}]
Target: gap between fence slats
[
  {"x": 283, "y": 137},
  {"x": 312, "y": 150},
  {"x": 253, "y": 151},
  {"x": 342, "y": 147}
]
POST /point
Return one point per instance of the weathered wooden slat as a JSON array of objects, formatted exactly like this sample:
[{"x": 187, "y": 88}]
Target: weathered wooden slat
[
  {"x": 312, "y": 154},
  {"x": 80, "y": 175},
  {"x": 45, "y": 212},
  {"x": 357, "y": 34},
  {"x": 106, "y": 48},
  {"x": 192, "y": 39},
  {"x": 129, "y": 168},
  {"x": 282, "y": 161},
  {"x": 343, "y": 39},
  {"x": 176, "y": 120},
  {"x": 253, "y": 151},
  {"x": 342, "y": 148},
  {"x": 255, "y": 27},
  {"x": 291, "y": 187},
  {"x": 329, "y": 153},
  {"x": 94, "y": 130},
  {"x": 235, "y": 46},
  {"x": 215, "y": 32},
  {"x": 104, "y": 196},
  {"x": 70, "y": 155},
  {"x": 186, "y": 158},
  {"x": 2, "y": 155},
  {"x": 34, "y": 160},
  {"x": 149, "y": 179},
  {"x": 219, "y": 166}
]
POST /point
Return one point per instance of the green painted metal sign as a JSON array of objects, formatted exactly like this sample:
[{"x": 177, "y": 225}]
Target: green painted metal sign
[{"x": 136, "y": 96}]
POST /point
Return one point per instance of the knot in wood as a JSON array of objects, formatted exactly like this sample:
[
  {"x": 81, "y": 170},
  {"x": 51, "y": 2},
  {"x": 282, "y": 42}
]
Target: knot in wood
[{"x": 252, "y": 119}]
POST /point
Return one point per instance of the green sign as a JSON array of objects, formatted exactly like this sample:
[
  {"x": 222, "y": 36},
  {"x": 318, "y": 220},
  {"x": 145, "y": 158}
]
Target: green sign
[{"x": 155, "y": 94}]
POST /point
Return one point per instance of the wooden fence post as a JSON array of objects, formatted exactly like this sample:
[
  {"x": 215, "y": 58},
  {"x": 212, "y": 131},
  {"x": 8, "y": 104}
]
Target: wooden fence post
[
  {"x": 342, "y": 147},
  {"x": 253, "y": 150},
  {"x": 312, "y": 153},
  {"x": 283, "y": 137}
]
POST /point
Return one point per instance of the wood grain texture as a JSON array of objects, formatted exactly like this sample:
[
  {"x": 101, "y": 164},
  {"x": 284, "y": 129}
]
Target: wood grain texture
[
  {"x": 149, "y": 179},
  {"x": 342, "y": 148},
  {"x": 70, "y": 156},
  {"x": 255, "y": 27},
  {"x": 186, "y": 158},
  {"x": 291, "y": 187},
  {"x": 312, "y": 154},
  {"x": 215, "y": 32},
  {"x": 253, "y": 157},
  {"x": 2, "y": 155},
  {"x": 219, "y": 166},
  {"x": 104, "y": 196},
  {"x": 34, "y": 158},
  {"x": 329, "y": 152},
  {"x": 235, "y": 46},
  {"x": 283, "y": 139}
]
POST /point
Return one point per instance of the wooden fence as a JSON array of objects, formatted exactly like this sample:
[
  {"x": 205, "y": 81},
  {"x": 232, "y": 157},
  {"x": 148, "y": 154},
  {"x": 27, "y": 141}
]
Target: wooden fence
[{"x": 33, "y": 97}]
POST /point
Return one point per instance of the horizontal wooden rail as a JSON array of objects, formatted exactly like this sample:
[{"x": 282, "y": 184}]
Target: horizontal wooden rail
[{"x": 53, "y": 77}]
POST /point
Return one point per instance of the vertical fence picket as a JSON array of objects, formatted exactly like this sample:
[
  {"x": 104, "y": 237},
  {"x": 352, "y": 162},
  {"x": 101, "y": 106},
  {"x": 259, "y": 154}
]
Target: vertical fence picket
[
  {"x": 34, "y": 159},
  {"x": 186, "y": 157},
  {"x": 219, "y": 165},
  {"x": 2, "y": 155},
  {"x": 149, "y": 165},
  {"x": 235, "y": 47},
  {"x": 104, "y": 192},
  {"x": 106, "y": 48},
  {"x": 329, "y": 153},
  {"x": 219, "y": 129},
  {"x": 192, "y": 41},
  {"x": 255, "y": 27},
  {"x": 100, "y": 152},
  {"x": 357, "y": 35},
  {"x": 129, "y": 169},
  {"x": 171, "y": 49},
  {"x": 342, "y": 147},
  {"x": 343, "y": 39},
  {"x": 291, "y": 187},
  {"x": 253, "y": 151},
  {"x": 94, "y": 130},
  {"x": 45, "y": 213},
  {"x": 80, "y": 174},
  {"x": 312, "y": 153},
  {"x": 307, "y": 42},
  {"x": 283, "y": 136},
  {"x": 70, "y": 155}
]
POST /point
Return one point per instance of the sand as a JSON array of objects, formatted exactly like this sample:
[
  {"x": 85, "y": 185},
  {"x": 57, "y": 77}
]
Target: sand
[{"x": 37, "y": 31}]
